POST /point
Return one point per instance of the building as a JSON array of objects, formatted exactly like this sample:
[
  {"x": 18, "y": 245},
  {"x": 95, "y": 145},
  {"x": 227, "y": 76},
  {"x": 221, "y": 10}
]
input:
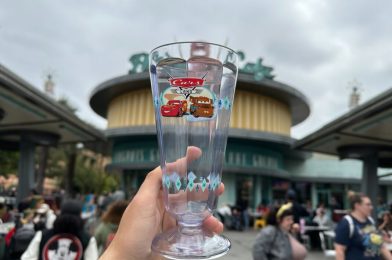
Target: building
[
  {"x": 362, "y": 134},
  {"x": 260, "y": 164},
  {"x": 31, "y": 119}
]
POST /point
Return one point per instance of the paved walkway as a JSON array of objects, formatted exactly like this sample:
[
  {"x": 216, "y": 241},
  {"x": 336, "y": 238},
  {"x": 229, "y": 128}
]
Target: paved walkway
[{"x": 242, "y": 243}]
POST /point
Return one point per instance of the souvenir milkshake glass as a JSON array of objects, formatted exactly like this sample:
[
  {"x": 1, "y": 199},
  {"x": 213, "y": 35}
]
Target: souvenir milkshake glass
[{"x": 193, "y": 86}]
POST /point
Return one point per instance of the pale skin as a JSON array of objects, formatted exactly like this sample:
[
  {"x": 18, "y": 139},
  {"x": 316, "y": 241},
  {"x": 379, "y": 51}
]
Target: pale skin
[
  {"x": 361, "y": 212},
  {"x": 386, "y": 220},
  {"x": 286, "y": 223},
  {"x": 145, "y": 217}
]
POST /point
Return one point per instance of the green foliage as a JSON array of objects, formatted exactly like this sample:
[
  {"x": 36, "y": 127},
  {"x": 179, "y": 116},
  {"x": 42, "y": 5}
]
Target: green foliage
[
  {"x": 57, "y": 160},
  {"x": 8, "y": 162},
  {"x": 87, "y": 179},
  {"x": 92, "y": 180}
]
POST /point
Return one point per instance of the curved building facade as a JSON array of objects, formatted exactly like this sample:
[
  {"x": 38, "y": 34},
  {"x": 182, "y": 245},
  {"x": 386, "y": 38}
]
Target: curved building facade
[{"x": 259, "y": 149}]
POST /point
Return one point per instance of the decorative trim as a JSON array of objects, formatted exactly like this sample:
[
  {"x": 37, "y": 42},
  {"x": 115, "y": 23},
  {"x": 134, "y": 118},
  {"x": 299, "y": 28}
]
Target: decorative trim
[{"x": 174, "y": 183}]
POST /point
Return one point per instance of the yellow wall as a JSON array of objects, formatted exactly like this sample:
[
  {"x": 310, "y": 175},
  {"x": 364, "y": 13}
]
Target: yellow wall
[
  {"x": 256, "y": 112},
  {"x": 131, "y": 109},
  {"x": 251, "y": 111}
]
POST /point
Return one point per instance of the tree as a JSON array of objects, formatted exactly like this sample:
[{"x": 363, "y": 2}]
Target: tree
[
  {"x": 89, "y": 179},
  {"x": 8, "y": 162}
]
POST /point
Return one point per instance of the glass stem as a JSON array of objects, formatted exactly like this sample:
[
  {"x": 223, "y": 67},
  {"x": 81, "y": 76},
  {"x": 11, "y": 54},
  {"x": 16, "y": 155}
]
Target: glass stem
[{"x": 190, "y": 230}]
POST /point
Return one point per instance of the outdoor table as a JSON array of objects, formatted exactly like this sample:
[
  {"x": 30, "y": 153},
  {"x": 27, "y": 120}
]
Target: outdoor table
[
  {"x": 330, "y": 233},
  {"x": 255, "y": 214},
  {"x": 313, "y": 234},
  {"x": 316, "y": 228}
]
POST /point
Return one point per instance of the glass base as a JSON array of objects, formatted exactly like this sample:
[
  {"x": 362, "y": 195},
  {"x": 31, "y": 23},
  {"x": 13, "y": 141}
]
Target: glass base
[{"x": 190, "y": 243}]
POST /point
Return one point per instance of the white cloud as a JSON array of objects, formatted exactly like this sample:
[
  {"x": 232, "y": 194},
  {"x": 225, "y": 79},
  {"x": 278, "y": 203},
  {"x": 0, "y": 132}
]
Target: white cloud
[{"x": 314, "y": 45}]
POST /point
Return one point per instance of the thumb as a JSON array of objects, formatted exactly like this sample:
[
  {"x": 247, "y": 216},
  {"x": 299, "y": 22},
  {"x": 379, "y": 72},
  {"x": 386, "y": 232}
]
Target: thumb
[{"x": 152, "y": 184}]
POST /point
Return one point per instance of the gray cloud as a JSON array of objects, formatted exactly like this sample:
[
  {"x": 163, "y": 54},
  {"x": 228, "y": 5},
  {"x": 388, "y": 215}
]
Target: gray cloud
[{"x": 317, "y": 46}]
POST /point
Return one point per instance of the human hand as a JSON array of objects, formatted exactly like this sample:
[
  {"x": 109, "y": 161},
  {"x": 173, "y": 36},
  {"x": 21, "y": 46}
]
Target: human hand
[
  {"x": 145, "y": 217},
  {"x": 295, "y": 228}
]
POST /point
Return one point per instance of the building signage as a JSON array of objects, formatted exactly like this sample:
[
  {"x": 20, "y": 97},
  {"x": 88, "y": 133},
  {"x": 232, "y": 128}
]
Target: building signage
[
  {"x": 139, "y": 64},
  {"x": 136, "y": 155},
  {"x": 141, "y": 153},
  {"x": 252, "y": 160}
]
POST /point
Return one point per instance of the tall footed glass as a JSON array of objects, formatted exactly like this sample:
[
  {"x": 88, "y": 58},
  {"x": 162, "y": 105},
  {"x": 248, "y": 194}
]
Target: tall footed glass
[{"x": 193, "y": 86}]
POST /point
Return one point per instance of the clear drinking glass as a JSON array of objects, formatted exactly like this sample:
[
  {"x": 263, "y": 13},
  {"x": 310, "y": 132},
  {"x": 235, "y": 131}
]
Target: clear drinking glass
[{"x": 193, "y": 86}]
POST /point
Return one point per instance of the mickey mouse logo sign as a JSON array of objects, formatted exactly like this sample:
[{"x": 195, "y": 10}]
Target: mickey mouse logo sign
[{"x": 63, "y": 247}]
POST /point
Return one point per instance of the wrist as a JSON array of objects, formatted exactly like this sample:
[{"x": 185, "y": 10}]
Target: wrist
[{"x": 112, "y": 253}]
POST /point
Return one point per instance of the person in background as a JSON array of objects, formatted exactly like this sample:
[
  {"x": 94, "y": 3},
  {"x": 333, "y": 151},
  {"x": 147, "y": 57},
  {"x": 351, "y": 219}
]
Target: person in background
[
  {"x": 107, "y": 229},
  {"x": 5, "y": 215},
  {"x": 309, "y": 208},
  {"x": 89, "y": 207},
  {"x": 100, "y": 201},
  {"x": 381, "y": 208},
  {"x": 44, "y": 218},
  {"x": 322, "y": 219},
  {"x": 320, "y": 206},
  {"x": 263, "y": 209},
  {"x": 386, "y": 226},
  {"x": 335, "y": 204},
  {"x": 224, "y": 213},
  {"x": 89, "y": 214},
  {"x": 66, "y": 239},
  {"x": 356, "y": 235},
  {"x": 298, "y": 211},
  {"x": 236, "y": 218},
  {"x": 275, "y": 241},
  {"x": 242, "y": 204}
]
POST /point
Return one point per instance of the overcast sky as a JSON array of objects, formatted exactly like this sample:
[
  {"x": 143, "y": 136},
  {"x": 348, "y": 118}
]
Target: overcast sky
[{"x": 316, "y": 46}]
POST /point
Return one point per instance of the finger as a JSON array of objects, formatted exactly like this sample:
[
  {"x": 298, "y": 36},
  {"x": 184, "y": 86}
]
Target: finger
[
  {"x": 220, "y": 189},
  {"x": 153, "y": 180},
  {"x": 214, "y": 225},
  {"x": 152, "y": 184},
  {"x": 168, "y": 221},
  {"x": 181, "y": 165},
  {"x": 193, "y": 153}
]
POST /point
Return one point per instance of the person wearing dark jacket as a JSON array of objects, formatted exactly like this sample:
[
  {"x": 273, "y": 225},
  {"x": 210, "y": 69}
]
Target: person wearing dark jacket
[
  {"x": 298, "y": 210},
  {"x": 66, "y": 238}
]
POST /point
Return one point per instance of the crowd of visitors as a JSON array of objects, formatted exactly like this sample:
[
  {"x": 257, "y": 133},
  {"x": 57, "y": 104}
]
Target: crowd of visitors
[
  {"x": 356, "y": 235},
  {"x": 56, "y": 228},
  {"x": 86, "y": 227}
]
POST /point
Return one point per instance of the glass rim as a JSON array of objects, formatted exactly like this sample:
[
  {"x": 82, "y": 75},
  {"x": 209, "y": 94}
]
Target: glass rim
[{"x": 184, "y": 42}]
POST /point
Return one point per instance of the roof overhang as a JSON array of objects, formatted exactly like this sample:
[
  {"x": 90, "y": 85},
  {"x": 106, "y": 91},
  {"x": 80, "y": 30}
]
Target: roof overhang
[
  {"x": 367, "y": 128},
  {"x": 30, "y": 113}
]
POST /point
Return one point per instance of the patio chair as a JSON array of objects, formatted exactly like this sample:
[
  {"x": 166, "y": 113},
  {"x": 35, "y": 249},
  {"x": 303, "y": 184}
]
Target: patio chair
[{"x": 325, "y": 245}]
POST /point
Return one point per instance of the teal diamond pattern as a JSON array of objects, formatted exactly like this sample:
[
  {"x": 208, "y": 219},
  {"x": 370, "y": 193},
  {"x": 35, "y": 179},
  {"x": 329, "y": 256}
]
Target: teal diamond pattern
[
  {"x": 213, "y": 186},
  {"x": 190, "y": 186},
  {"x": 191, "y": 178},
  {"x": 156, "y": 102},
  {"x": 178, "y": 183},
  {"x": 203, "y": 185},
  {"x": 226, "y": 103},
  {"x": 167, "y": 182},
  {"x": 211, "y": 182},
  {"x": 215, "y": 182}
]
